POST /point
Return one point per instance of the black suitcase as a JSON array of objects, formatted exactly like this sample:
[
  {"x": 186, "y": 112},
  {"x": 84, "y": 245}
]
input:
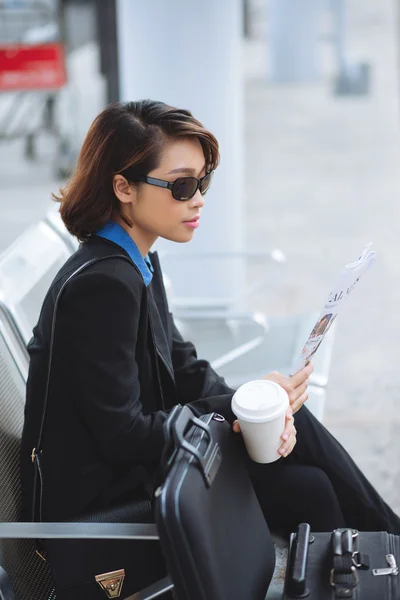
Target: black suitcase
[
  {"x": 212, "y": 532},
  {"x": 347, "y": 563}
]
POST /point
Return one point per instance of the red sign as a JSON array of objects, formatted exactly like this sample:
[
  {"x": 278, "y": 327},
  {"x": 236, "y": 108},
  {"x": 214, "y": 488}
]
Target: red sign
[{"x": 33, "y": 67}]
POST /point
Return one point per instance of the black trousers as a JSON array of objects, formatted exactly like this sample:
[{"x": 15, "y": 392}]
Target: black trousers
[{"x": 320, "y": 484}]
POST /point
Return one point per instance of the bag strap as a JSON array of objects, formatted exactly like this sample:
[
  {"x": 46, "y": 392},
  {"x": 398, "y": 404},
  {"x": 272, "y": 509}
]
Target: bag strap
[
  {"x": 344, "y": 575},
  {"x": 36, "y": 452}
]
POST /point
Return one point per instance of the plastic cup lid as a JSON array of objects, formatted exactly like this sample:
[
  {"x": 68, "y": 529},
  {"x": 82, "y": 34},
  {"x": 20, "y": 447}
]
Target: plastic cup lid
[{"x": 259, "y": 401}]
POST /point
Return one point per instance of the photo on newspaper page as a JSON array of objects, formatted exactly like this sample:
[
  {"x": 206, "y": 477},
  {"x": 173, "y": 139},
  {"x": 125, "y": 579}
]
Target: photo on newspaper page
[{"x": 345, "y": 284}]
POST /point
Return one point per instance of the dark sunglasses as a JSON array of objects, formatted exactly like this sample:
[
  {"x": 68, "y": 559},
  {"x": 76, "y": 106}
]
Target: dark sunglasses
[{"x": 183, "y": 188}]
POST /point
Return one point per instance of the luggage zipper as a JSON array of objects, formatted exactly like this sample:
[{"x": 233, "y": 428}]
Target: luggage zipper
[
  {"x": 391, "y": 572},
  {"x": 394, "y": 577}
]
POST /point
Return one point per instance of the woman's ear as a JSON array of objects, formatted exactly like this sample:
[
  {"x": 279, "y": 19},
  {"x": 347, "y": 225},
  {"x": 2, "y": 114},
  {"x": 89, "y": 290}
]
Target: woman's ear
[{"x": 124, "y": 192}]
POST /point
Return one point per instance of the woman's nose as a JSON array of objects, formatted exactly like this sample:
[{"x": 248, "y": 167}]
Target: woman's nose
[{"x": 197, "y": 201}]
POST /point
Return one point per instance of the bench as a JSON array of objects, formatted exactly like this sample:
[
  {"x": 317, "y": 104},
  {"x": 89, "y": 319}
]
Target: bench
[{"x": 27, "y": 269}]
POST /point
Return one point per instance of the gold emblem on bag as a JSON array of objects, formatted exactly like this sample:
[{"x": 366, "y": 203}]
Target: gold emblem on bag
[{"x": 111, "y": 583}]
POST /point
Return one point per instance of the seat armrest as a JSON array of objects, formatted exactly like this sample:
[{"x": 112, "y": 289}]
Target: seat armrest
[
  {"x": 242, "y": 317},
  {"x": 154, "y": 590},
  {"x": 120, "y": 531}
]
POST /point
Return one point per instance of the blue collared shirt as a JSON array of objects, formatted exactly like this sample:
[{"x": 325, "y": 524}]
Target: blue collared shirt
[{"x": 115, "y": 233}]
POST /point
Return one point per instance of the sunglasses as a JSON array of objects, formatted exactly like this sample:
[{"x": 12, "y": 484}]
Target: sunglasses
[{"x": 183, "y": 188}]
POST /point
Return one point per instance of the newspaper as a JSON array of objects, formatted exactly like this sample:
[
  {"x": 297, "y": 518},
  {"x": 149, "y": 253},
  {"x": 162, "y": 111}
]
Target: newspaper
[{"x": 345, "y": 284}]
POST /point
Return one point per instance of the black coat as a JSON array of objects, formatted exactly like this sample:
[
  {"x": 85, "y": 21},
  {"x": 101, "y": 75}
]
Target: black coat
[{"x": 119, "y": 365}]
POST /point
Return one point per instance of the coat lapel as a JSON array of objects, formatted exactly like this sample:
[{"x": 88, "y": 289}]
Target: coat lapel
[
  {"x": 159, "y": 333},
  {"x": 161, "y": 297}
]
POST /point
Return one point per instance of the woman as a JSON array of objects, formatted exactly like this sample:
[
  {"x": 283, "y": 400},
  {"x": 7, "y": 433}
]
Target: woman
[{"x": 119, "y": 364}]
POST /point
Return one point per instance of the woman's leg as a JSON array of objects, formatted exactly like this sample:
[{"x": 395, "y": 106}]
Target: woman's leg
[
  {"x": 290, "y": 494},
  {"x": 361, "y": 504}
]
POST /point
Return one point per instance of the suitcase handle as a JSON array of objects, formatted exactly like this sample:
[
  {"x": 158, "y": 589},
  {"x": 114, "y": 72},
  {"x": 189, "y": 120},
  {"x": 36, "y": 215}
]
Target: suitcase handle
[
  {"x": 175, "y": 428},
  {"x": 180, "y": 425},
  {"x": 297, "y": 570},
  {"x": 169, "y": 449}
]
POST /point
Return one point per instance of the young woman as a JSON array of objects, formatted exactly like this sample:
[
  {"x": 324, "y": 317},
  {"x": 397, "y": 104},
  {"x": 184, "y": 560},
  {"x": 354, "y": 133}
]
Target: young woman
[{"x": 119, "y": 364}]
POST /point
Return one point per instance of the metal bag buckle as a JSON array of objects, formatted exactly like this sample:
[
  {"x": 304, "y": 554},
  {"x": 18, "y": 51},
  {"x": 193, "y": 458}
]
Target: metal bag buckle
[
  {"x": 354, "y": 574},
  {"x": 111, "y": 583}
]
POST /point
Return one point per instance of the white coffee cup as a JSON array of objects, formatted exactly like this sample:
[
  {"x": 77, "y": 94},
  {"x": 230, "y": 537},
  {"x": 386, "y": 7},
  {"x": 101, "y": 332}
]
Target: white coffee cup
[{"x": 260, "y": 407}]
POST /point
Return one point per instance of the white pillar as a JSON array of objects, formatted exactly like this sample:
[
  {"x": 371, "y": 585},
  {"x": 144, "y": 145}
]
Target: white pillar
[
  {"x": 188, "y": 53},
  {"x": 340, "y": 9},
  {"x": 293, "y": 40}
]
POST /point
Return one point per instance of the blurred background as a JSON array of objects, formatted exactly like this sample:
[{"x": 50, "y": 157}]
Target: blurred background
[{"x": 303, "y": 96}]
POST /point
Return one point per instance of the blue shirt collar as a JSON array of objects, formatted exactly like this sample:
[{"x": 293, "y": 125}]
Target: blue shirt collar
[{"x": 115, "y": 233}]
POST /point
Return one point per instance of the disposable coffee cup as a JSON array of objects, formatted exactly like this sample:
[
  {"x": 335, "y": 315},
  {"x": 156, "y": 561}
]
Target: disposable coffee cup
[{"x": 260, "y": 407}]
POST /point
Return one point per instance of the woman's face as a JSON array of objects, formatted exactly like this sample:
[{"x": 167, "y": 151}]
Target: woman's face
[{"x": 153, "y": 210}]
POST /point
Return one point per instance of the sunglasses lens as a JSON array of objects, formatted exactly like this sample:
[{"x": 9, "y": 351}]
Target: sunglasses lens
[
  {"x": 184, "y": 188},
  {"x": 205, "y": 184}
]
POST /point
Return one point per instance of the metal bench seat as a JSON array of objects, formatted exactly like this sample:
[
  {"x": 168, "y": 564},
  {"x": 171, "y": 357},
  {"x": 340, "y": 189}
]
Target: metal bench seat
[
  {"x": 53, "y": 219},
  {"x": 27, "y": 269}
]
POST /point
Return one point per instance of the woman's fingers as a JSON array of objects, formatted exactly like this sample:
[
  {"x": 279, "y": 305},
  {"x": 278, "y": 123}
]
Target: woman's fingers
[
  {"x": 302, "y": 388},
  {"x": 288, "y": 425},
  {"x": 298, "y": 393},
  {"x": 275, "y": 376},
  {"x": 288, "y": 446},
  {"x": 288, "y": 436},
  {"x": 295, "y": 385},
  {"x": 298, "y": 403},
  {"x": 300, "y": 377},
  {"x": 236, "y": 427}
]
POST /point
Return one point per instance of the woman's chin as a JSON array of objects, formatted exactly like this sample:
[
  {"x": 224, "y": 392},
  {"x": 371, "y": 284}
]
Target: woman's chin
[{"x": 180, "y": 237}]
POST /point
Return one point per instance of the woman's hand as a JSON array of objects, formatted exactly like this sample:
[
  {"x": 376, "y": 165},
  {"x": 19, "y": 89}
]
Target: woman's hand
[
  {"x": 288, "y": 436},
  {"x": 295, "y": 386}
]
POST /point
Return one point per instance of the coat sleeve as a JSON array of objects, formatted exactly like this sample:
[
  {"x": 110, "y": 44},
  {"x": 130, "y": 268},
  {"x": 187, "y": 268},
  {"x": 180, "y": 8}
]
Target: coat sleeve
[
  {"x": 96, "y": 334},
  {"x": 196, "y": 381}
]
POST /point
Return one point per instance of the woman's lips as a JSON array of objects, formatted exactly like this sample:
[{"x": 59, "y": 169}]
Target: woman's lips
[{"x": 193, "y": 224}]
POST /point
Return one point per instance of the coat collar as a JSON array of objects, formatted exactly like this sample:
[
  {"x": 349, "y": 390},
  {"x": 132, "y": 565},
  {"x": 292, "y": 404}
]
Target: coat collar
[{"x": 113, "y": 232}]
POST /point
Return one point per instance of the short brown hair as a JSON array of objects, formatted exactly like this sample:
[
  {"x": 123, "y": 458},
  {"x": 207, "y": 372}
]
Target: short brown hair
[{"x": 124, "y": 135}]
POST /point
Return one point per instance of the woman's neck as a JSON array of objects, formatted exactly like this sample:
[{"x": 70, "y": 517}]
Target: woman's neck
[{"x": 143, "y": 239}]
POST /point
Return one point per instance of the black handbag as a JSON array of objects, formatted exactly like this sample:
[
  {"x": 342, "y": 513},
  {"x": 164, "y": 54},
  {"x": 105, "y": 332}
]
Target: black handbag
[
  {"x": 346, "y": 563},
  {"x": 212, "y": 530},
  {"x": 85, "y": 569}
]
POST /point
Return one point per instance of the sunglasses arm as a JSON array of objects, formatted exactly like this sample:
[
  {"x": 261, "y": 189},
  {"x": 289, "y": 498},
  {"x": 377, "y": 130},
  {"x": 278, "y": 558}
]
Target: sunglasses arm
[{"x": 158, "y": 182}]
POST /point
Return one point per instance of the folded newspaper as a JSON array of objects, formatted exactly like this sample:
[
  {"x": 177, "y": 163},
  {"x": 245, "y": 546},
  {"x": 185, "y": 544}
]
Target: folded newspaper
[{"x": 345, "y": 284}]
